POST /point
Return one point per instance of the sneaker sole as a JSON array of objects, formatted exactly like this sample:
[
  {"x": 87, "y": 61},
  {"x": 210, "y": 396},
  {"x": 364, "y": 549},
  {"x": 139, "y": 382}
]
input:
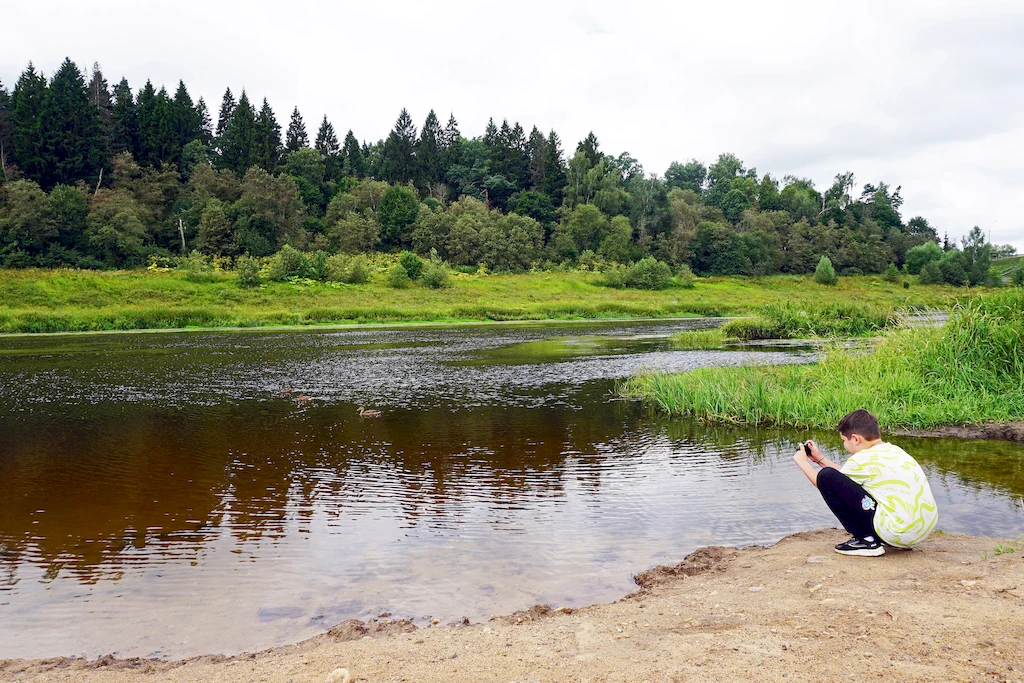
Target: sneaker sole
[{"x": 863, "y": 552}]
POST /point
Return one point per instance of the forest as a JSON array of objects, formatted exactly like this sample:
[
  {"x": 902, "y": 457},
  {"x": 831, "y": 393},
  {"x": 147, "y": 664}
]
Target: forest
[{"x": 96, "y": 177}]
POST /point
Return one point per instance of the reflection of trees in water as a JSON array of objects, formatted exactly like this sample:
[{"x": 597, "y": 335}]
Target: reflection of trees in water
[{"x": 135, "y": 482}]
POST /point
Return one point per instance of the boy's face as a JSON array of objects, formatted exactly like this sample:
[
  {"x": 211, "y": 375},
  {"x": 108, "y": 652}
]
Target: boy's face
[{"x": 852, "y": 443}]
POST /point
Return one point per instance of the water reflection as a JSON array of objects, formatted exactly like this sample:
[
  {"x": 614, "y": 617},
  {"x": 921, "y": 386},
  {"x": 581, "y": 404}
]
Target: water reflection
[{"x": 159, "y": 495}]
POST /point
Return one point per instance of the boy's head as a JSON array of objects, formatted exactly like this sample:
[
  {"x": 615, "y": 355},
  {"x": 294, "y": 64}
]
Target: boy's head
[{"x": 859, "y": 429}]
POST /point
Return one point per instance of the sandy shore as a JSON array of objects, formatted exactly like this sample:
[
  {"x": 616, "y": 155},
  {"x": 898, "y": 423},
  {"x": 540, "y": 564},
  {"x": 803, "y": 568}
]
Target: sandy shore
[{"x": 951, "y": 610}]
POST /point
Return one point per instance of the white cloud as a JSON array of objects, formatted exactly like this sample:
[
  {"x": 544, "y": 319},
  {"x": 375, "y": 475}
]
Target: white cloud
[{"x": 923, "y": 95}]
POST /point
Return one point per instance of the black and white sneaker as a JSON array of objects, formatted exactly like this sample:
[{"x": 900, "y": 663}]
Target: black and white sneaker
[{"x": 864, "y": 547}]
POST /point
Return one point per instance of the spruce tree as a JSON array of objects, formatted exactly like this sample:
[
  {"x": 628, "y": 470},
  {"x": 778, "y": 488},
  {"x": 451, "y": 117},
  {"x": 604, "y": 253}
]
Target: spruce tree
[
  {"x": 126, "y": 123},
  {"x": 327, "y": 144},
  {"x": 5, "y": 130},
  {"x": 26, "y": 131},
  {"x": 227, "y": 108},
  {"x": 450, "y": 146},
  {"x": 147, "y": 118},
  {"x": 205, "y": 124},
  {"x": 536, "y": 148},
  {"x": 399, "y": 161},
  {"x": 72, "y": 144},
  {"x": 168, "y": 150},
  {"x": 554, "y": 181},
  {"x": 237, "y": 143},
  {"x": 590, "y": 147},
  {"x": 266, "y": 139},
  {"x": 517, "y": 164},
  {"x": 99, "y": 97},
  {"x": 428, "y": 153},
  {"x": 296, "y": 137},
  {"x": 354, "y": 162}
]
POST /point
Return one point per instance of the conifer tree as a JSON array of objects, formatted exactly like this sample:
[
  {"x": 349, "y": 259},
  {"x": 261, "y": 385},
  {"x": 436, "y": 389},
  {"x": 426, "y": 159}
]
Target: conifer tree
[
  {"x": 5, "y": 130},
  {"x": 26, "y": 132},
  {"x": 185, "y": 121},
  {"x": 355, "y": 163},
  {"x": 266, "y": 139},
  {"x": 205, "y": 124},
  {"x": 327, "y": 144},
  {"x": 591, "y": 149},
  {"x": 147, "y": 120},
  {"x": 399, "y": 161},
  {"x": 227, "y": 108},
  {"x": 126, "y": 124},
  {"x": 450, "y": 145},
  {"x": 517, "y": 163},
  {"x": 296, "y": 138},
  {"x": 239, "y": 136},
  {"x": 167, "y": 148},
  {"x": 554, "y": 181},
  {"x": 72, "y": 144},
  {"x": 428, "y": 152},
  {"x": 536, "y": 148},
  {"x": 99, "y": 97}
]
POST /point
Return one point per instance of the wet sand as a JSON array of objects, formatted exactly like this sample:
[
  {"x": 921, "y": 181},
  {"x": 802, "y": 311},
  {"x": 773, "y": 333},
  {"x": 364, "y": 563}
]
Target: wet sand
[{"x": 950, "y": 610}]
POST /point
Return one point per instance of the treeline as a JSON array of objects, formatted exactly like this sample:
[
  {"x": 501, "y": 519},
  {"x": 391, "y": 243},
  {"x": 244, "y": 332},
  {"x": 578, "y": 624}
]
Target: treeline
[{"x": 96, "y": 178}]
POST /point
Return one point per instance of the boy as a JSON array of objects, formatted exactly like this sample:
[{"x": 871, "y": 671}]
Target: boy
[{"x": 881, "y": 494}]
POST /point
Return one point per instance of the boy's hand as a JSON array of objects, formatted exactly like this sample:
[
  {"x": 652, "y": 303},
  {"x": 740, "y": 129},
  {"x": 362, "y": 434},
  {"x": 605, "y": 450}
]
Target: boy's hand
[
  {"x": 816, "y": 455},
  {"x": 800, "y": 456}
]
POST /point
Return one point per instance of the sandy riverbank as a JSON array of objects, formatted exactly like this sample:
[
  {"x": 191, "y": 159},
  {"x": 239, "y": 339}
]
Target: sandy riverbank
[{"x": 948, "y": 611}]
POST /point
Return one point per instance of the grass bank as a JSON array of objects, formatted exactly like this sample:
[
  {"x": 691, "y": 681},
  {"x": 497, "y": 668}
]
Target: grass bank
[
  {"x": 967, "y": 372},
  {"x": 69, "y": 300}
]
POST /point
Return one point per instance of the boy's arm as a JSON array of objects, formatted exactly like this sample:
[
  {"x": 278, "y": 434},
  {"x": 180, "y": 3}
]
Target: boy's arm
[{"x": 818, "y": 458}]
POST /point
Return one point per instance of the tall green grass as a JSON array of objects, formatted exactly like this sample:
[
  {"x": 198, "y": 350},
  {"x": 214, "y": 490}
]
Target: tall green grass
[
  {"x": 969, "y": 371},
  {"x": 831, "y": 319}
]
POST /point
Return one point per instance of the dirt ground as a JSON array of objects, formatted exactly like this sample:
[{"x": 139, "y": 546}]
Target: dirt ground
[
  {"x": 951, "y": 610},
  {"x": 1006, "y": 431}
]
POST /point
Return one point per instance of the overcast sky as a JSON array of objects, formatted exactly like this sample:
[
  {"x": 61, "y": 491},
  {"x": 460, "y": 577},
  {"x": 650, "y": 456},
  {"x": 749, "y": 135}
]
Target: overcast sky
[{"x": 927, "y": 95}]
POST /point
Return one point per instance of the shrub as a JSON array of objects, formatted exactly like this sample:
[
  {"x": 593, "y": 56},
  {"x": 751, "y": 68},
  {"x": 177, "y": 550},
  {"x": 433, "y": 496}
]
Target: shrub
[
  {"x": 825, "y": 274},
  {"x": 931, "y": 274},
  {"x": 197, "y": 268},
  {"x": 318, "y": 266},
  {"x": 614, "y": 277},
  {"x": 337, "y": 268},
  {"x": 648, "y": 273},
  {"x": 1018, "y": 275},
  {"x": 412, "y": 263},
  {"x": 289, "y": 262},
  {"x": 892, "y": 274},
  {"x": 906, "y": 285},
  {"x": 358, "y": 270},
  {"x": 436, "y": 276},
  {"x": 685, "y": 277},
  {"x": 398, "y": 277},
  {"x": 248, "y": 270}
]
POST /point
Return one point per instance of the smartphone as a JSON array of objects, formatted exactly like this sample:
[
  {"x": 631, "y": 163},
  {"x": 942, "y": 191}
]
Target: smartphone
[{"x": 807, "y": 449}]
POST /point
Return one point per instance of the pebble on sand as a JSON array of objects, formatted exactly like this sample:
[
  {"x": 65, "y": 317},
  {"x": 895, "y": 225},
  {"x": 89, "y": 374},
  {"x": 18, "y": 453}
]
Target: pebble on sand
[{"x": 339, "y": 676}]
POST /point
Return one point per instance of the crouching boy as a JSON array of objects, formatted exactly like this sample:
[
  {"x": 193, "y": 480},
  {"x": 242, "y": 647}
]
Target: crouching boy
[{"x": 880, "y": 495}]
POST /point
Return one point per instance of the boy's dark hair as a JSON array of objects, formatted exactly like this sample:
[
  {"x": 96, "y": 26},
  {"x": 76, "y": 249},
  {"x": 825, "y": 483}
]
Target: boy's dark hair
[{"x": 860, "y": 422}]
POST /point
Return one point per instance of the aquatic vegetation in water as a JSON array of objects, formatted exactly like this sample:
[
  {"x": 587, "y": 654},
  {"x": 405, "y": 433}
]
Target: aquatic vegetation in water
[{"x": 969, "y": 371}]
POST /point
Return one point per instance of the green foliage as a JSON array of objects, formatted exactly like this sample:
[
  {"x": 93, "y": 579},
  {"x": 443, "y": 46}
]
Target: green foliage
[
  {"x": 289, "y": 262},
  {"x": 436, "y": 276},
  {"x": 358, "y": 271},
  {"x": 398, "y": 209},
  {"x": 1017, "y": 278},
  {"x": 918, "y": 257},
  {"x": 969, "y": 371},
  {"x": 705, "y": 338},
  {"x": 931, "y": 274},
  {"x": 953, "y": 267},
  {"x": 788, "y": 320},
  {"x": 248, "y": 270},
  {"x": 197, "y": 267},
  {"x": 648, "y": 273},
  {"x": 892, "y": 274},
  {"x": 685, "y": 277},
  {"x": 412, "y": 263},
  {"x": 825, "y": 274},
  {"x": 398, "y": 277}
]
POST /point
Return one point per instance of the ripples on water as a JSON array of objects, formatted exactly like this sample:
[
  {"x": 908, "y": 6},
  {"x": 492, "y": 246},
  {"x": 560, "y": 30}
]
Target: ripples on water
[{"x": 160, "y": 496}]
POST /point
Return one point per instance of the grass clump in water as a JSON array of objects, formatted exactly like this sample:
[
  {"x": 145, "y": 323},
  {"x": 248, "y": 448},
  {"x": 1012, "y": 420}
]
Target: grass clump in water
[
  {"x": 967, "y": 372},
  {"x": 787, "y": 321},
  {"x": 706, "y": 338}
]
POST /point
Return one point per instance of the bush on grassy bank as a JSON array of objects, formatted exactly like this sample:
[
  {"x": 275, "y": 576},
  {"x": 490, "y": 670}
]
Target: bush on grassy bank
[{"x": 971, "y": 370}]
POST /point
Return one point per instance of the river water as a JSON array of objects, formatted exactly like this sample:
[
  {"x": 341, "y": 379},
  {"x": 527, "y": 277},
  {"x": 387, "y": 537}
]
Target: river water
[{"x": 161, "y": 496}]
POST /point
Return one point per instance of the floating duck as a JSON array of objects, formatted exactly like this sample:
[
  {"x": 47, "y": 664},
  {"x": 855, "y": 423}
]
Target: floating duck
[{"x": 363, "y": 412}]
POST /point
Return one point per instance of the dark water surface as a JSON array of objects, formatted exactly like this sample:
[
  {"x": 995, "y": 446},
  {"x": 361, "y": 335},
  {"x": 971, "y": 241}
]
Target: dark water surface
[{"x": 160, "y": 496}]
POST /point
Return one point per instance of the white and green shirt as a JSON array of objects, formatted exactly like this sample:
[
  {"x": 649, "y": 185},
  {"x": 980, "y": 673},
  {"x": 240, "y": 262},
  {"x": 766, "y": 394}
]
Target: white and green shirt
[{"x": 906, "y": 511}]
